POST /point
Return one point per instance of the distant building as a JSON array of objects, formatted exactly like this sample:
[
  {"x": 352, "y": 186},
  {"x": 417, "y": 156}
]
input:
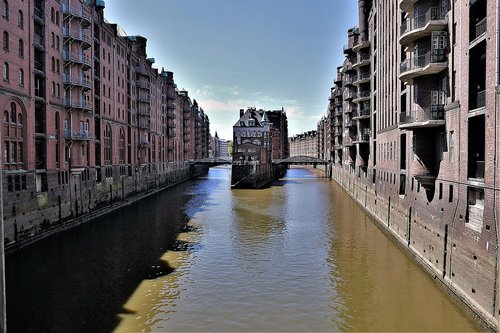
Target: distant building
[
  {"x": 259, "y": 137},
  {"x": 305, "y": 144}
]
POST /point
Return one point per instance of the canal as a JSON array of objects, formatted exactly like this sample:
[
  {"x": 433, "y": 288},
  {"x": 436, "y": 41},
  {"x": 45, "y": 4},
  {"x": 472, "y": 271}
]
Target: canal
[{"x": 298, "y": 256}]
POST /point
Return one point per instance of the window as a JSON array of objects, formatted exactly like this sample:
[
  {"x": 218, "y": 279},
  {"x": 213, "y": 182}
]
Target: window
[
  {"x": 451, "y": 150},
  {"x": 20, "y": 19},
  {"x": 5, "y": 9},
  {"x": 6, "y": 41},
  {"x": 52, "y": 15},
  {"x": 58, "y": 91},
  {"x": 53, "y": 91},
  {"x": 57, "y": 43},
  {"x": 57, "y": 18},
  {"x": 5, "y": 71},
  {"x": 21, "y": 77},
  {"x": 58, "y": 66},
  {"x": 52, "y": 40},
  {"x": 21, "y": 48},
  {"x": 53, "y": 64}
]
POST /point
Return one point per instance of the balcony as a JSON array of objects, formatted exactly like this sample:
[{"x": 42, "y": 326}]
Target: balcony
[
  {"x": 476, "y": 170},
  {"x": 144, "y": 112},
  {"x": 39, "y": 14},
  {"x": 362, "y": 96},
  {"x": 361, "y": 60},
  {"x": 478, "y": 101},
  {"x": 141, "y": 71},
  {"x": 478, "y": 31},
  {"x": 77, "y": 81},
  {"x": 423, "y": 25},
  {"x": 77, "y": 135},
  {"x": 362, "y": 78},
  {"x": 348, "y": 123},
  {"x": 77, "y": 11},
  {"x": 348, "y": 95},
  {"x": 433, "y": 62},
  {"x": 143, "y": 125},
  {"x": 424, "y": 118},
  {"x": 362, "y": 43},
  {"x": 79, "y": 36},
  {"x": 348, "y": 80},
  {"x": 407, "y": 5},
  {"x": 143, "y": 99},
  {"x": 362, "y": 138},
  {"x": 39, "y": 42},
  {"x": 78, "y": 105},
  {"x": 142, "y": 85},
  {"x": 78, "y": 58},
  {"x": 361, "y": 114}
]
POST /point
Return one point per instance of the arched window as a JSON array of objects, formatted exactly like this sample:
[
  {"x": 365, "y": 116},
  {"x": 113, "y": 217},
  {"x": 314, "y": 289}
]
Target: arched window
[
  {"x": 122, "y": 146},
  {"x": 107, "y": 145},
  {"x": 52, "y": 40},
  {"x": 53, "y": 64},
  {"x": 53, "y": 91},
  {"x": 5, "y": 71},
  {"x": 57, "y": 43},
  {"x": 6, "y": 116},
  {"x": 58, "y": 91},
  {"x": 20, "y": 19},
  {"x": 58, "y": 66},
  {"x": 5, "y": 41},
  {"x": 5, "y": 9},
  {"x": 21, "y": 48},
  {"x": 20, "y": 119},
  {"x": 57, "y": 18},
  {"x": 13, "y": 112},
  {"x": 21, "y": 77},
  {"x": 57, "y": 127},
  {"x": 52, "y": 15}
]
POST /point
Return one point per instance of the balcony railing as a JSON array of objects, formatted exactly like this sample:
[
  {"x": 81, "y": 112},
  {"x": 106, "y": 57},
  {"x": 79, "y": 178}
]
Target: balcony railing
[
  {"x": 39, "y": 41},
  {"x": 77, "y": 135},
  {"x": 77, "y": 57},
  {"x": 78, "y": 35},
  {"x": 479, "y": 101},
  {"x": 76, "y": 11},
  {"x": 479, "y": 29},
  {"x": 142, "y": 85},
  {"x": 432, "y": 14},
  {"x": 435, "y": 112},
  {"x": 433, "y": 56},
  {"x": 142, "y": 71},
  {"x": 362, "y": 95},
  {"x": 78, "y": 104},
  {"x": 143, "y": 99},
  {"x": 39, "y": 13},
  {"x": 78, "y": 81}
]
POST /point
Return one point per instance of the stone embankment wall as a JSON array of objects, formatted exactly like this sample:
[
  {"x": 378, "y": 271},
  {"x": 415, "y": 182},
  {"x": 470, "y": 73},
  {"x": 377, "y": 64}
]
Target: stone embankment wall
[
  {"x": 30, "y": 216},
  {"x": 462, "y": 262}
]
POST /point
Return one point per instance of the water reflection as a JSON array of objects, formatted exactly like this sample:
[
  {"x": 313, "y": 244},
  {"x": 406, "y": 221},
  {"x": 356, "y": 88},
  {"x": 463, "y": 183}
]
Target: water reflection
[{"x": 300, "y": 256}]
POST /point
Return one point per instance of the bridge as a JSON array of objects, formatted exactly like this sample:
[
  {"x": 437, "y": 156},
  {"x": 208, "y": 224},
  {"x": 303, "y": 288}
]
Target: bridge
[{"x": 296, "y": 160}]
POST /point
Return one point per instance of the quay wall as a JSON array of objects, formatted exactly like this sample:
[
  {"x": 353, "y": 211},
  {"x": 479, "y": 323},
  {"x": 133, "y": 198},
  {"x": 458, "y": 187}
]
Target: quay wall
[
  {"x": 75, "y": 199},
  {"x": 432, "y": 233}
]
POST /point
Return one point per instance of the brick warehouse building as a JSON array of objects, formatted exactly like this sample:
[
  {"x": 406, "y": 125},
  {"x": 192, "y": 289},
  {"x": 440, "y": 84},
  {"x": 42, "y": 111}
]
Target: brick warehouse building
[
  {"x": 304, "y": 144},
  {"x": 413, "y": 122},
  {"x": 88, "y": 120}
]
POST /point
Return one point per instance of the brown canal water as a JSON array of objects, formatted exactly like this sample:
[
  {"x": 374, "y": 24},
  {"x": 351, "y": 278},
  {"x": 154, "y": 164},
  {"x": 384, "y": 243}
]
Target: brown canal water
[{"x": 298, "y": 256}]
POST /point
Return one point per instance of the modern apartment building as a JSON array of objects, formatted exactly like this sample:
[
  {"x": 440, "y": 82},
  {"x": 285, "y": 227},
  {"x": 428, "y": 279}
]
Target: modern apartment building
[
  {"x": 413, "y": 122},
  {"x": 88, "y": 119}
]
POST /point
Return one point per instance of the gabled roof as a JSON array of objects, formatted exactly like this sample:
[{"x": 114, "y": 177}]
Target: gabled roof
[{"x": 250, "y": 113}]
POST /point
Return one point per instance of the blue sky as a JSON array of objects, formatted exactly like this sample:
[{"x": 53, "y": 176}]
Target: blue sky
[{"x": 232, "y": 54}]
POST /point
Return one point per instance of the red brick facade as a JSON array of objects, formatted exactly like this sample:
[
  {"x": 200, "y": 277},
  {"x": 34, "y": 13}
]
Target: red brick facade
[
  {"x": 414, "y": 126},
  {"x": 87, "y": 116}
]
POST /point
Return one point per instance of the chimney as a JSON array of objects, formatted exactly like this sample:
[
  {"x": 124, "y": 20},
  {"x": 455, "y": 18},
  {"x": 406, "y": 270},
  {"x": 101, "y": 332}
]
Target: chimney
[{"x": 242, "y": 111}]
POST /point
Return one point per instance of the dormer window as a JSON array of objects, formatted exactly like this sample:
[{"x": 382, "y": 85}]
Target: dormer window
[
  {"x": 251, "y": 122},
  {"x": 242, "y": 123}
]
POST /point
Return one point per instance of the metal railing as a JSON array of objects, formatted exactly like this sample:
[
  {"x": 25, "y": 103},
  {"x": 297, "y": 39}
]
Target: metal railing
[
  {"x": 78, "y": 104},
  {"x": 363, "y": 76},
  {"x": 435, "y": 112},
  {"x": 79, "y": 81},
  {"x": 39, "y": 13},
  {"x": 362, "y": 57},
  {"x": 39, "y": 40},
  {"x": 432, "y": 14},
  {"x": 141, "y": 71},
  {"x": 142, "y": 84},
  {"x": 143, "y": 99},
  {"x": 480, "y": 28},
  {"x": 76, "y": 11},
  {"x": 363, "y": 94},
  {"x": 479, "y": 101},
  {"x": 77, "y": 135},
  {"x": 77, "y": 57},
  {"x": 432, "y": 56}
]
